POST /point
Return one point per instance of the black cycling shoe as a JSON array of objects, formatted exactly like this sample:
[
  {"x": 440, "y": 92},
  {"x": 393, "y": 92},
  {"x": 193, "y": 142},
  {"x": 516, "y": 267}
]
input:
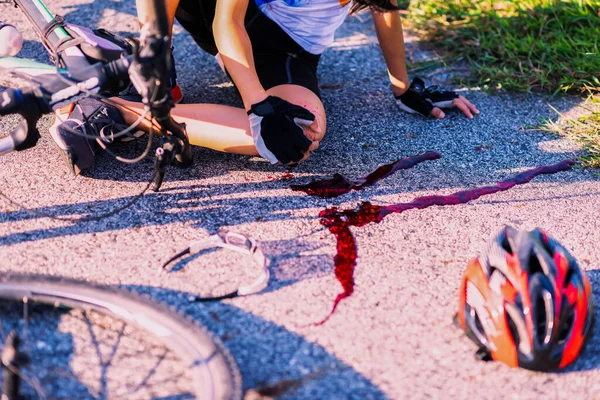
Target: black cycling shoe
[{"x": 90, "y": 117}]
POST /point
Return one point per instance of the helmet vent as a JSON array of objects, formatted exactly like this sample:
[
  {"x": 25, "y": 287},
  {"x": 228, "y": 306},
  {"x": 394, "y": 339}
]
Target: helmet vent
[
  {"x": 476, "y": 328},
  {"x": 518, "y": 329},
  {"x": 476, "y": 305},
  {"x": 534, "y": 265},
  {"x": 506, "y": 245},
  {"x": 478, "y": 324},
  {"x": 514, "y": 332},
  {"x": 540, "y": 322},
  {"x": 547, "y": 245},
  {"x": 568, "y": 276},
  {"x": 544, "y": 317},
  {"x": 567, "y": 317}
]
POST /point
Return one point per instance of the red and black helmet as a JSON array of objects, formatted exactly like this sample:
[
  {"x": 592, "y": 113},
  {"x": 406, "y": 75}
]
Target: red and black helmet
[{"x": 525, "y": 302}]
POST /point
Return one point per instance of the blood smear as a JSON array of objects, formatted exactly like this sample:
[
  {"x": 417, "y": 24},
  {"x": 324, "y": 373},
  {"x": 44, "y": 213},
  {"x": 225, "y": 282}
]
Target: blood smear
[
  {"x": 339, "y": 221},
  {"x": 339, "y": 184}
]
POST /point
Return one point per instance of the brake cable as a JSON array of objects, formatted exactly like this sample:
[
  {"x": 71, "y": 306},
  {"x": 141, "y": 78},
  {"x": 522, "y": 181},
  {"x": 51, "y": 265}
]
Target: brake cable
[
  {"x": 117, "y": 210},
  {"x": 163, "y": 156},
  {"x": 107, "y": 101}
]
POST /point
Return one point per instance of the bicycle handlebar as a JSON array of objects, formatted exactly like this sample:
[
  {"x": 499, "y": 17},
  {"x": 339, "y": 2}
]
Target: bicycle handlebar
[
  {"x": 26, "y": 135},
  {"x": 146, "y": 68},
  {"x": 31, "y": 104}
]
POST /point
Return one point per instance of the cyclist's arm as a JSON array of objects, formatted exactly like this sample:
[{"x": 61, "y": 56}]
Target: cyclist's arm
[
  {"x": 391, "y": 40},
  {"x": 142, "y": 6},
  {"x": 236, "y": 50}
]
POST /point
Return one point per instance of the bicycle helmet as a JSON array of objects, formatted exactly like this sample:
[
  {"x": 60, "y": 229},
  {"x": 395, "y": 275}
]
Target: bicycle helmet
[{"x": 525, "y": 302}]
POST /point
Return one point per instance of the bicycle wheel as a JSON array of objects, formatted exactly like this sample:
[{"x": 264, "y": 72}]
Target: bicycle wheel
[{"x": 61, "y": 322}]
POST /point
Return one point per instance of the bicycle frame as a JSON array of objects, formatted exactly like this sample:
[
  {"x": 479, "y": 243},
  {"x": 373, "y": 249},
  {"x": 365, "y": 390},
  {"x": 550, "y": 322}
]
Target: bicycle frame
[
  {"x": 73, "y": 58},
  {"x": 147, "y": 68},
  {"x": 40, "y": 17}
]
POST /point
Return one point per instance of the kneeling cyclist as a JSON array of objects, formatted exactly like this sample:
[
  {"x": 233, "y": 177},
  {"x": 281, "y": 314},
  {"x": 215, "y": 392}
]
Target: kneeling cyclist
[{"x": 271, "y": 50}]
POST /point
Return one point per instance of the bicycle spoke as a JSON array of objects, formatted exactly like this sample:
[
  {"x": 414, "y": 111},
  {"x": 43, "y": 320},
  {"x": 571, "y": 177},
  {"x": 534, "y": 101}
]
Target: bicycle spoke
[
  {"x": 26, "y": 324},
  {"x": 83, "y": 350},
  {"x": 68, "y": 374},
  {"x": 2, "y": 331},
  {"x": 118, "y": 350},
  {"x": 150, "y": 373},
  {"x": 104, "y": 364},
  {"x": 32, "y": 380}
]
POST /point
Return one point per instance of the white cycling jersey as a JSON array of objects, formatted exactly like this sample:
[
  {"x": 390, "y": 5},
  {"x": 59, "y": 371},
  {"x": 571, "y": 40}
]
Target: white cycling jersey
[{"x": 311, "y": 23}]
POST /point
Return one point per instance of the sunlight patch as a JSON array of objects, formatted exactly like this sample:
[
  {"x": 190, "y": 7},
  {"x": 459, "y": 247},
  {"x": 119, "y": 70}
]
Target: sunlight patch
[
  {"x": 353, "y": 42},
  {"x": 559, "y": 146},
  {"x": 223, "y": 85}
]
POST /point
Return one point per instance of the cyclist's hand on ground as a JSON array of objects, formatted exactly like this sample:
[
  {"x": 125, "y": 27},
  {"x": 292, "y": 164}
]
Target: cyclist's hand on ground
[
  {"x": 440, "y": 98},
  {"x": 428, "y": 101},
  {"x": 278, "y": 129}
]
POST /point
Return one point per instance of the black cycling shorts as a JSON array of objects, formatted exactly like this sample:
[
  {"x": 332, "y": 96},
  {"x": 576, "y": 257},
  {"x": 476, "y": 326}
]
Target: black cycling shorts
[{"x": 277, "y": 57}]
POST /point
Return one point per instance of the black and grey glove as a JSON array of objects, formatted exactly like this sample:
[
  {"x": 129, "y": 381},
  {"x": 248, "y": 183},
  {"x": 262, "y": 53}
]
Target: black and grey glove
[
  {"x": 421, "y": 100},
  {"x": 276, "y": 127}
]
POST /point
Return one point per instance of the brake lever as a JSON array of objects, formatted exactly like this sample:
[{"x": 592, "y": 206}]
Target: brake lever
[
  {"x": 145, "y": 72},
  {"x": 183, "y": 155},
  {"x": 26, "y": 104},
  {"x": 165, "y": 155},
  {"x": 160, "y": 169}
]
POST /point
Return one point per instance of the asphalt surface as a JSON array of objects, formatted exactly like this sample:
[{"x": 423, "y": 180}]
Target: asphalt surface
[{"x": 393, "y": 338}]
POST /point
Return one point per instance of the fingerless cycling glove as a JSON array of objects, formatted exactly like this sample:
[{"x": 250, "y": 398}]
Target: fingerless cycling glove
[
  {"x": 421, "y": 100},
  {"x": 276, "y": 127}
]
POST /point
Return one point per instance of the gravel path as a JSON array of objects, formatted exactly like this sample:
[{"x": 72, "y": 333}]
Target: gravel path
[{"x": 393, "y": 338}]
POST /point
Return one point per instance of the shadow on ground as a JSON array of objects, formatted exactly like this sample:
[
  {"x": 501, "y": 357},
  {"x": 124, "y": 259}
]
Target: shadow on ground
[
  {"x": 44, "y": 365},
  {"x": 208, "y": 205},
  {"x": 265, "y": 352}
]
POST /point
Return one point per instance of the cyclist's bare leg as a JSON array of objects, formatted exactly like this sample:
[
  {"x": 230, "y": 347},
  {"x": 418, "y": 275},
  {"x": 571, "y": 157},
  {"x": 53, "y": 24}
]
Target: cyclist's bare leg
[
  {"x": 171, "y": 9},
  {"x": 226, "y": 128}
]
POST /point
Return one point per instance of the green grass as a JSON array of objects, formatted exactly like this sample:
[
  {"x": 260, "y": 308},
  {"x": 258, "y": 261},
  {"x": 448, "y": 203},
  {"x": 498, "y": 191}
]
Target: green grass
[
  {"x": 522, "y": 45},
  {"x": 584, "y": 130}
]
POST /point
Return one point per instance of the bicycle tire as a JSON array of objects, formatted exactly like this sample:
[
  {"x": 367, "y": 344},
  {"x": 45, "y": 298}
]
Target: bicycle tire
[{"x": 213, "y": 370}]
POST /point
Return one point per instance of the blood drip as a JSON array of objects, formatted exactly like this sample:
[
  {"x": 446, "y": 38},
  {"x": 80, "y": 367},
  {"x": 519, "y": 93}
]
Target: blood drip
[
  {"x": 284, "y": 176},
  {"x": 339, "y": 221},
  {"x": 339, "y": 184}
]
